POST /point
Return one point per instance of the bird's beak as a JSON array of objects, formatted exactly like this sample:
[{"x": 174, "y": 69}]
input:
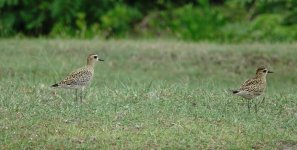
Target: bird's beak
[
  {"x": 100, "y": 59},
  {"x": 270, "y": 71}
]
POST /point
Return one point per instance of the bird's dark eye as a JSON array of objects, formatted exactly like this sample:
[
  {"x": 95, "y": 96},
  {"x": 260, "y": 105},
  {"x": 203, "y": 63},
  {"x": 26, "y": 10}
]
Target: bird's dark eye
[
  {"x": 264, "y": 71},
  {"x": 95, "y": 57}
]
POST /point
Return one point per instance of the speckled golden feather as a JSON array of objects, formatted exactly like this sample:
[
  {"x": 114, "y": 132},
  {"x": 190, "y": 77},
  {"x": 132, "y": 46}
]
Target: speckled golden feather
[{"x": 79, "y": 77}]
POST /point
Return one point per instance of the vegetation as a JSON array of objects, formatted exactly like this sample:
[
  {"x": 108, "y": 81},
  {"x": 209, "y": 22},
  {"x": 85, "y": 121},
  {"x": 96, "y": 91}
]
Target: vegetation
[
  {"x": 213, "y": 20},
  {"x": 145, "y": 95}
]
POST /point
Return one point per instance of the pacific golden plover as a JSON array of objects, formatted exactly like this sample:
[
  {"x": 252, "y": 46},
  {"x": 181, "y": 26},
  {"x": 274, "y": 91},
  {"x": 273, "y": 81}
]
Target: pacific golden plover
[
  {"x": 253, "y": 87},
  {"x": 81, "y": 77}
]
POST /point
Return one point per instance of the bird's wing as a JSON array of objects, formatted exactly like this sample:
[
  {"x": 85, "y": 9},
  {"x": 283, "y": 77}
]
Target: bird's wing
[
  {"x": 78, "y": 76},
  {"x": 248, "y": 82},
  {"x": 252, "y": 84}
]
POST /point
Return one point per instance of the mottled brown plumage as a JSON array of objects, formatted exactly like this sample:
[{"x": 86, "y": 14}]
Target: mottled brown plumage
[
  {"x": 81, "y": 77},
  {"x": 78, "y": 78},
  {"x": 255, "y": 86}
]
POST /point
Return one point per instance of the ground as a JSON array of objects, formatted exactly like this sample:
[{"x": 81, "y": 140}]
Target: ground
[{"x": 147, "y": 94}]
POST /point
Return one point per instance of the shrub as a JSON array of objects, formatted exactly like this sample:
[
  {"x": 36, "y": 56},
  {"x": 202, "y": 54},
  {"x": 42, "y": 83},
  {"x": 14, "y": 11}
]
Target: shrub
[
  {"x": 120, "y": 19},
  {"x": 269, "y": 27},
  {"x": 196, "y": 23}
]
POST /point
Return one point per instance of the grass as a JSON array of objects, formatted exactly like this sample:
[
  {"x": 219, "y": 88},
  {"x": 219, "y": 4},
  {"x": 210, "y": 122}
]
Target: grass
[{"x": 145, "y": 95}]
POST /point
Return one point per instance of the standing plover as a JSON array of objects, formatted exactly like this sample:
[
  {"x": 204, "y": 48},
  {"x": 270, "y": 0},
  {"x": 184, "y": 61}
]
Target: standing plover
[
  {"x": 81, "y": 77},
  {"x": 253, "y": 87}
]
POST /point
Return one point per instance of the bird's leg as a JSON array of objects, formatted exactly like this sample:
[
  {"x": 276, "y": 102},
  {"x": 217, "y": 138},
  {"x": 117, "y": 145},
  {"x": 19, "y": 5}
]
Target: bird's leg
[
  {"x": 249, "y": 105},
  {"x": 259, "y": 103},
  {"x": 85, "y": 94},
  {"x": 81, "y": 95},
  {"x": 76, "y": 94},
  {"x": 255, "y": 104},
  {"x": 262, "y": 100},
  {"x": 256, "y": 107}
]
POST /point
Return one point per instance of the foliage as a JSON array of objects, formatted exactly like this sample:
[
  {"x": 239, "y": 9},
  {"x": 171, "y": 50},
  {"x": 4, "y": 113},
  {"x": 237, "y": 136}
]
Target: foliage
[
  {"x": 190, "y": 19},
  {"x": 118, "y": 20},
  {"x": 197, "y": 23},
  {"x": 266, "y": 27},
  {"x": 269, "y": 27}
]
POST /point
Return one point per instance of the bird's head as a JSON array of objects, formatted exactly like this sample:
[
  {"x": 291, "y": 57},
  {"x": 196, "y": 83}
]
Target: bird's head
[
  {"x": 263, "y": 71},
  {"x": 92, "y": 58}
]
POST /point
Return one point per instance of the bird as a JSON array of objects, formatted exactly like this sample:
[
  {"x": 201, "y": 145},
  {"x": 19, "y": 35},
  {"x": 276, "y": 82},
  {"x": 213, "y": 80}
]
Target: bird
[
  {"x": 79, "y": 78},
  {"x": 254, "y": 86}
]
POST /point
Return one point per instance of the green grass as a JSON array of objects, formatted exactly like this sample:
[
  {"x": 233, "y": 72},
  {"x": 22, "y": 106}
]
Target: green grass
[{"x": 145, "y": 95}]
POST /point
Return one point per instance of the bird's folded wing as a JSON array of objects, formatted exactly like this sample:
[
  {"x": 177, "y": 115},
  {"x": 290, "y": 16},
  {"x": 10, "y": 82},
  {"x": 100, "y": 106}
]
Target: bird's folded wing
[
  {"x": 77, "y": 77},
  {"x": 252, "y": 85},
  {"x": 249, "y": 82}
]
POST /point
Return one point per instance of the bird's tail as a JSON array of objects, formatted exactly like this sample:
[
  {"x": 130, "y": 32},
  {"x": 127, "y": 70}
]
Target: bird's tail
[
  {"x": 55, "y": 85},
  {"x": 233, "y": 91}
]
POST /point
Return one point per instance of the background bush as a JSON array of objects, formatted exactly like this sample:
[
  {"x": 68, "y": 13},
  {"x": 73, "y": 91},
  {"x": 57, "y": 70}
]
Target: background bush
[{"x": 215, "y": 20}]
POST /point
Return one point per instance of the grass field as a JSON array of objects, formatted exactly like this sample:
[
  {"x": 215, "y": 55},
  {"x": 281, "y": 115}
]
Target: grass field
[{"x": 145, "y": 95}]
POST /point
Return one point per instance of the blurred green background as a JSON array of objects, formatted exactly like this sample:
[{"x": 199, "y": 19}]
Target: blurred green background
[{"x": 193, "y": 20}]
